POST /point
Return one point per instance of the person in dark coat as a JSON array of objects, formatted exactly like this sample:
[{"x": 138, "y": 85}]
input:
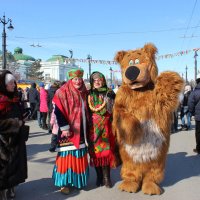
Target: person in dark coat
[
  {"x": 194, "y": 108},
  {"x": 51, "y": 93},
  {"x": 34, "y": 99},
  {"x": 185, "y": 114},
  {"x": 13, "y": 159}
]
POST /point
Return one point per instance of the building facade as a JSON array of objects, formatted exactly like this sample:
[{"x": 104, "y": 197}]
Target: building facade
[{"x": 55, "y": 68}]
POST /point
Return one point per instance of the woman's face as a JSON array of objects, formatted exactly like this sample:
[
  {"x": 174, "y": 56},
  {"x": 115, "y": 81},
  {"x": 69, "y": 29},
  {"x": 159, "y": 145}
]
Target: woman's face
[
  {"x": 98, "y": 83},
  {"x": 10, "y": 87},
  {"x": 77, "y": 82}
]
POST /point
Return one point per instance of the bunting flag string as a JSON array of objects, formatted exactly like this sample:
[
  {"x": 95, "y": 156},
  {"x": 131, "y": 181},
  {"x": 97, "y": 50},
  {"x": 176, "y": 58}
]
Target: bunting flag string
[
  {"x": 180, "y": 53},
  {"x": 107, "y": 62}
]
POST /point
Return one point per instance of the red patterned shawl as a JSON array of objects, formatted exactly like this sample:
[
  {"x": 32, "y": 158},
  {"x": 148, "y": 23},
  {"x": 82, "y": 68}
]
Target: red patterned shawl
[
  {"x": 6, "y": 103},
  {"x": 68, "y": 100}
]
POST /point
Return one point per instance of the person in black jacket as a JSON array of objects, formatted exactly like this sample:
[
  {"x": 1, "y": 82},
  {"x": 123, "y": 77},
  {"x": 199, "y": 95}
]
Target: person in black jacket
[
  {"x": 34, "y": 99},
  {"x": 194, "y": 108},
  {"x": 185, "y": 114},
  {"x": 13, "y": 160}
]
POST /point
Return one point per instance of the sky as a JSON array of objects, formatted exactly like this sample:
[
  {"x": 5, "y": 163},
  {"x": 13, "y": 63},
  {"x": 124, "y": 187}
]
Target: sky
[{"x": 101, "y": 28}]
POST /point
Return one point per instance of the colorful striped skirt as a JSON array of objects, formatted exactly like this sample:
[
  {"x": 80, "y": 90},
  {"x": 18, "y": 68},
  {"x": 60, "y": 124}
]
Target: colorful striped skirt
[{"x": 71, "y": 168}]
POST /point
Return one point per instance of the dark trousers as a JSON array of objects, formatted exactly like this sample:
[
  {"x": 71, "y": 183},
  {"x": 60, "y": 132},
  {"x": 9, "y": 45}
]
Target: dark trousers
[
  {"x": 33, "y": 110},
  {"x": 48, "y": 120},
  {"x": 44, "y": 119},
  {"x": 54, "y": 141},
  {"x": 197, "y": 135}
]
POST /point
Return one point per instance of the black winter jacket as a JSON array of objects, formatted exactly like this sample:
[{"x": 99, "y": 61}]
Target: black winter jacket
[
  {"x": 51, "y": 93},
  {"x": 33, "y": 94},
  {"x": 194, "y": 102}
]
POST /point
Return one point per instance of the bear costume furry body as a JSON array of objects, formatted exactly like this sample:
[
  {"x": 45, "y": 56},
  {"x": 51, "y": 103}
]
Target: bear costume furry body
[{"x": 142, "y": 117}]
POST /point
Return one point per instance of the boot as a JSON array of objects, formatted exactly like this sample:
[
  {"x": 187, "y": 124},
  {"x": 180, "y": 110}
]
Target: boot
[
  {"x": 11, "y": 192},
  {"x": 99, "y": 181},
  {"x": 44, "y": 126},
  {"x": 3, "y": 194},
  {"x": 106, "y": 176}
]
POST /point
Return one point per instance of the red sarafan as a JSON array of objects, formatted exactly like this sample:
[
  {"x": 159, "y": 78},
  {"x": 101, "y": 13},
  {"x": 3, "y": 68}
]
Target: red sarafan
[{"x": 142, "y": 117}]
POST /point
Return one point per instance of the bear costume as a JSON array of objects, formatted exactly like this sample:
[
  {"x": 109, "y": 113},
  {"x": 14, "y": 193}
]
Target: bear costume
[{"x": 142, "y": 117}]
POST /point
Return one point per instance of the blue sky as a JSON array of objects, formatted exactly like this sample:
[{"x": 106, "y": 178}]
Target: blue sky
[{"x": 101, "y": 28}]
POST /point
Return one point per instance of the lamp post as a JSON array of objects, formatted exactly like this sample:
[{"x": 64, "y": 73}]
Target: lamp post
[
  {"x": 195, "y": 65},
  {"x": 89, "y": 57},
  {"x": 186, "y": 79},
  {"x": 71, "y": 53},
  {"x": 111, "y": 75},
  {"x": 10, "y": 27}
]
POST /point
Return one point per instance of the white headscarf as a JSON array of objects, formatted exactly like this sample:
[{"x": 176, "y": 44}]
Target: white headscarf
[{"x": 8, "y": 78}]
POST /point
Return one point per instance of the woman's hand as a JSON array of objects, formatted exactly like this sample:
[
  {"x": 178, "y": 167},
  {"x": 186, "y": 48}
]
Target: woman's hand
[
  {"x": 21, "y": 123},
  {"x": 66, "y": 134}
]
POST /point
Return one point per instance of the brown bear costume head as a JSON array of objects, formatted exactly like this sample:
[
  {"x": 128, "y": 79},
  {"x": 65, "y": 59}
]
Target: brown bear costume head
[{"x": 138, "y": 66}]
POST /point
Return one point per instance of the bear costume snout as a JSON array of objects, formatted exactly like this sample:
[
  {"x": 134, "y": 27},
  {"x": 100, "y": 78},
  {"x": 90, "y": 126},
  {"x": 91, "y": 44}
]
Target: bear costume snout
[{"x": 132, "y": 73}]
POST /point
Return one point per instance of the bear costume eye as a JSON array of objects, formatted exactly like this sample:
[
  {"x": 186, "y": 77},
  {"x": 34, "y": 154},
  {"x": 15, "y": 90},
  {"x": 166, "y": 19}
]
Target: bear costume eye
[
  {"x": 137, "y": 61},
  {"x": 131, "y": 63}
]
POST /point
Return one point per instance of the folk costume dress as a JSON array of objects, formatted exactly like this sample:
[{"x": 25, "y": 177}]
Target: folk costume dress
[
  {"x": 71, "y": 168},
  {"x": 101, "y": 139}
]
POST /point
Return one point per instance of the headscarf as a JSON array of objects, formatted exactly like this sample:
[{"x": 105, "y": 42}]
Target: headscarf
[
  {"x": 78, "y": 72},
  {"x": 69, "y": 101},
  {"x": 96, "y": 92},
  {"x": 6, "y": 97},
  {"x": 3, "y": 90}
]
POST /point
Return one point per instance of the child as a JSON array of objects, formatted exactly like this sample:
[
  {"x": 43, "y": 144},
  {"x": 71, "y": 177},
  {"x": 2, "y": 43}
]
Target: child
[{"x": 55, "y": 128}]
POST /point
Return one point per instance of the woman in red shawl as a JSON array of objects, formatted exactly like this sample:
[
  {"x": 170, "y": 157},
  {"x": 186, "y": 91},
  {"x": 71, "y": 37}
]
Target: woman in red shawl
[
  {"x": 13, "y": 160},
  {"x": 71, "y": 168},
  {"x": 102, "y": 144}
]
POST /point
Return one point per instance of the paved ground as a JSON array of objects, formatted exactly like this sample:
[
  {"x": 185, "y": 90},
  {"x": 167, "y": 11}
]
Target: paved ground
[{"x": 182, "y": 181}]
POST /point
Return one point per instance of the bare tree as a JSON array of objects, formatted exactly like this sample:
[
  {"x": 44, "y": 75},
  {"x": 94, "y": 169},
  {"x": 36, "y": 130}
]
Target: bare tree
[{"x": 33, "y": 72}]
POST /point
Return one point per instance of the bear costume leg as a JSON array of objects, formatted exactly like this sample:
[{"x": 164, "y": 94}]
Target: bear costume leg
[
  {"x": 131, "y": 175},
  {"x": 131, "y": 180},
  {"x": 152, "y": 178}
]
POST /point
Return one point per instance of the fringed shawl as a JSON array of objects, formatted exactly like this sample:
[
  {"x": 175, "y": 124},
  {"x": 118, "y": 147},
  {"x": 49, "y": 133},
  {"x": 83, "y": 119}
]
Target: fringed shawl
[{"x": 69, "y": 100}]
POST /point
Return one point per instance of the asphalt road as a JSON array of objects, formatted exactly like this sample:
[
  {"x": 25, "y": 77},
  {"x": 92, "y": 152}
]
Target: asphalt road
[{"x": 182, "y": 181}]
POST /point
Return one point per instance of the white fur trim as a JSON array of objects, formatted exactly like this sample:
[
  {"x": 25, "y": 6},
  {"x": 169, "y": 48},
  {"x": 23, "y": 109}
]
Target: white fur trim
[
  {"x": 69, "y": 148},
  {"x": 8, "y": 78},
  {"x": 149, "y": 146},
  {"x": 65, "y": 128}
]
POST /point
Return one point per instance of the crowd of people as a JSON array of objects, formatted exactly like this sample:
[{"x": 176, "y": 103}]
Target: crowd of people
[{"x": 79, "y": 119}]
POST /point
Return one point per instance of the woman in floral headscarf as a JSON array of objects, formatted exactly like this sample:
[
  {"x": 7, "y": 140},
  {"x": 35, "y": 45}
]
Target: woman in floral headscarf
[
  {"x": 102, "y": 145},
  {"x": 71, "y": 110}
]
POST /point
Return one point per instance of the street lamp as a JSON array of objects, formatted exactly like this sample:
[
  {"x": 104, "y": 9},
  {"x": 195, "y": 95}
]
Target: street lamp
[
  {"x": 89, "y": 57},
  {"x": 111, "y": 75},
  {"x": 195, "y": 65},
  {"x": 10, "y": 27},
  {"x": 71, "y": 53},
  {"x": 186, "y": 79}
]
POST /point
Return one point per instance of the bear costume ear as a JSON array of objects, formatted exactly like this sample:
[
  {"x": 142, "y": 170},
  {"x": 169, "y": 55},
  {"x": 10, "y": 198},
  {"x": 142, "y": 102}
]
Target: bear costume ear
[
  {"x": 119, "y": 56},
  {"x": 150, "y": 49}
]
